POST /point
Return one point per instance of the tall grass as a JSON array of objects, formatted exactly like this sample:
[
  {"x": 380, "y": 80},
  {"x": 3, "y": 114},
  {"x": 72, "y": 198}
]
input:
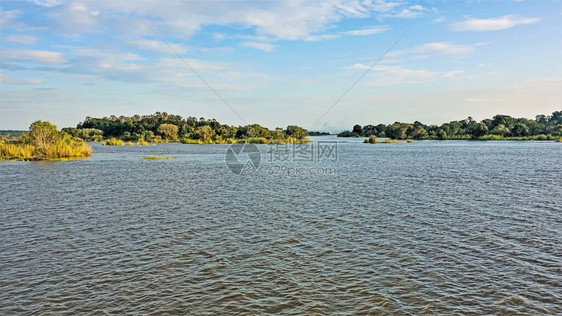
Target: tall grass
[
  {"x": 16, "y": 151},
  {"x": 57, "y": 150},
  {"x": 113, "y": 142}
]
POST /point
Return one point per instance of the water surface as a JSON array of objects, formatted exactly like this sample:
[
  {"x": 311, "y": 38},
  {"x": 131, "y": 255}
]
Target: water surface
[{"x": 425, "y": 228}]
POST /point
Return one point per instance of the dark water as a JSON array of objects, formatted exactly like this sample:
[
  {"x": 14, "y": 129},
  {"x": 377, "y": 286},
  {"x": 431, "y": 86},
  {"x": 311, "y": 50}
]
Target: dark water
[{"x": 423, "y": 228}]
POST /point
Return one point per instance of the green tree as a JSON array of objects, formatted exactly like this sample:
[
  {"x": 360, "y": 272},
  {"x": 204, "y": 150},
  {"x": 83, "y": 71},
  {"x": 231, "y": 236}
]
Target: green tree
[
  {"x": 42, "y": 134},
  {"x": 520, "y": 129},
  {"x": 296, "y": 132},
  {"x": 500, "y": 130},
  {"x": 357, "y": 129},
  {"x": 168, "y": 131}
]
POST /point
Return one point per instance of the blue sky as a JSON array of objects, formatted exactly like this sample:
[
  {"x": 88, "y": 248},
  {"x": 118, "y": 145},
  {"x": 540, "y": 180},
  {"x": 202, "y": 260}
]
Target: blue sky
[{"x": 279, "y": 62}]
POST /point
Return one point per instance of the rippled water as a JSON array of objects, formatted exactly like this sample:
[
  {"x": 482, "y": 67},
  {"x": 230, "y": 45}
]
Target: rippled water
[{"x": 425, "y": 228}]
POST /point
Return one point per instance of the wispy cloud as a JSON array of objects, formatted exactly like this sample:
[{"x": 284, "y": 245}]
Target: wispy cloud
[
  {"x": 266, "y": 47},
  {"x": 412, "y": 11},
  {"x": 367, "y": 31},
  {"x": 384, "y": 75},
  {"x": 22, "y": 39},
  {"x": 42, "y": 56},
  {"x": 157, "y": 46},
  {"x": 7, "y": 79},
  {"x": 438, "y": 47},
  {"x": 492, "y": 24}
]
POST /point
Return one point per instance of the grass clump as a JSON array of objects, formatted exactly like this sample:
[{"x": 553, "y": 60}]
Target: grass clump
[
  {"x": 155, "y": 158},
  {"x": 113, "y": 142},
  {"x": 142, "y": 142},
  {"x": 559, "y": 140}
]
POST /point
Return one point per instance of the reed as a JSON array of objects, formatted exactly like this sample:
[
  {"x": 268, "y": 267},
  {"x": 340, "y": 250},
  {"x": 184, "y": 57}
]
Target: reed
[
  {"x": 113, "y": 142},
  {"x": 58, "y": 150}
]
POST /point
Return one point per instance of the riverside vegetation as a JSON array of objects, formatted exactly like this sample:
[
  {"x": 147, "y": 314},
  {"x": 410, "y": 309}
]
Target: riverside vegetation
[
  {"x": 43, "y": 142},
  {"x": 162, "y": 127},
  {"x": 499, "y": 127}
]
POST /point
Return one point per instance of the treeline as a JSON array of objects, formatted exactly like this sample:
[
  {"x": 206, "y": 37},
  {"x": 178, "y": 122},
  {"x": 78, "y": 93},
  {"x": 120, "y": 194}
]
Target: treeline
[
  {"x": 543, "y": 127},
  {"x": 159, "y": 127}
]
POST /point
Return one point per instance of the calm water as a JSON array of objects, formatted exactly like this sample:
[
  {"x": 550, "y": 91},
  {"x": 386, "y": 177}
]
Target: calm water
[{"x": 425, "y": 228}]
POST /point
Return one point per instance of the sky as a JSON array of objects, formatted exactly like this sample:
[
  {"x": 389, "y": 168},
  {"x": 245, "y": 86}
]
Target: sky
[{"x": 279, "y": 63}]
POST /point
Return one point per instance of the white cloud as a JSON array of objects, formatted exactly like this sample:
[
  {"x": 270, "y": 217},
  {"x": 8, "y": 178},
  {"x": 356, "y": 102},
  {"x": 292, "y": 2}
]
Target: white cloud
[
  {"x": 46, "y": 3},
  {"x": 438, "y": 47},
  {"x": 266, "y": 47},
  {"x": 411, "y": 12},
  {"x": 367, "y": 31},
  {"x": 385, "y": 75},
  {"x": 42, "y": 56},
  {"x": 288, "y": 20},
  {"x": 22, "y": 39},
  {"x": 7, "y": 79},
  {"x": 157, "y": 46},
  {"x": 440, "y": 19},
  {"x": 492, "y": 24}
]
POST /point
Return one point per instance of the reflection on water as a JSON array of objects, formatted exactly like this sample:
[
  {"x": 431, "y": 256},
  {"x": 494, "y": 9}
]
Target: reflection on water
[{"x": 430, "y": 227}]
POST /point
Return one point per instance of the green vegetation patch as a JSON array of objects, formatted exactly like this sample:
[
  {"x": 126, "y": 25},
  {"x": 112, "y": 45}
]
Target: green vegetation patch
[
  {"x": 499, "y": 127},
  {"x": 155, "y": 158},
  {"x": 43, "y": 142}
]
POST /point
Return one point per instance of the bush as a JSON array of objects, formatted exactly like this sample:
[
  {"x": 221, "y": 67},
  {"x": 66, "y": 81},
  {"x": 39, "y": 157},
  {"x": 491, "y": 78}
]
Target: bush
[
  {"x": 113, "y": 142},
  {"x": 371, "y": 140}
]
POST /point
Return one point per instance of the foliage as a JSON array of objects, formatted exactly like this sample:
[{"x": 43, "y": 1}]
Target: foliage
[
  {"x": 499, "y": 127},
  {"x": 113, "y": 142},
  {"x": 44, "y": 142},
  {"x": 371, "y": 140},
  {"x": 164, "y": 127},
  {"x": 318, "y": 133},
  {"x": 87, "y": 134},
  {"x": 169, "y": 131}
]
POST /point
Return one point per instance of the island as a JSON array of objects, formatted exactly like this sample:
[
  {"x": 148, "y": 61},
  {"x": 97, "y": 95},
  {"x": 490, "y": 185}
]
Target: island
[
  {"x": 499, "y": 127},
  {"x": 45, "y": 142}
]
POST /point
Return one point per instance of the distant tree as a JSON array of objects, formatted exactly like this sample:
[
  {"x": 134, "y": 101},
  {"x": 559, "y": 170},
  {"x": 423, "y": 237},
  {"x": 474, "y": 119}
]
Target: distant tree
[
  {"x": 476, "y": 130},
  {"x": 520, "y": 129},
  {"x": 296, "y": 131},
  {"x": 500, "y": 130},
  {"x": 399, "y": 130},
  {"x": 419, "y": 132},
  {"x": 357, "y": 129},
  {"x": 441, "y": 134},
  {"x": 168, "y": 131}
]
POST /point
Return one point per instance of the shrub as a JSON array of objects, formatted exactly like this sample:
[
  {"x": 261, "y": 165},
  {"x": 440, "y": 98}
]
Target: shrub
[
  {"x": 371, "y": 140},
  {"x": 113, "y": 142},
  {"x": 409, "y": 141}
]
